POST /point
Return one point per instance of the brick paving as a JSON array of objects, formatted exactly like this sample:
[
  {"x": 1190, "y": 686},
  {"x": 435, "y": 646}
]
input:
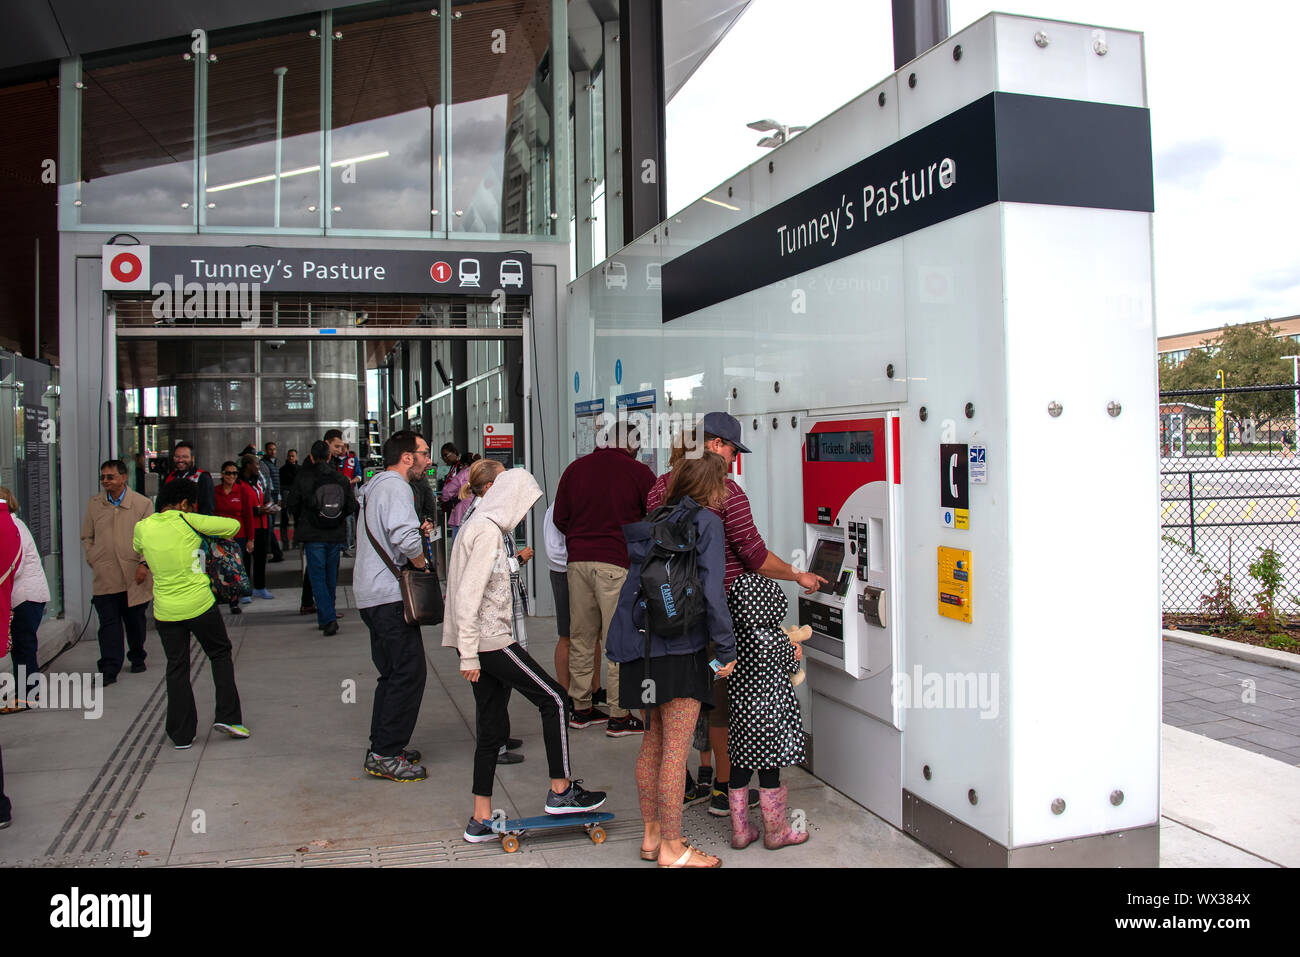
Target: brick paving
[{"x": 1209, "y": 693}]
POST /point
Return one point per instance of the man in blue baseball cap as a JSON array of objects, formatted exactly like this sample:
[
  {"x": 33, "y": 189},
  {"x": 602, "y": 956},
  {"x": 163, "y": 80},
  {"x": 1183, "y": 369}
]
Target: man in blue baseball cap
[{"x": 720, "y": 425}]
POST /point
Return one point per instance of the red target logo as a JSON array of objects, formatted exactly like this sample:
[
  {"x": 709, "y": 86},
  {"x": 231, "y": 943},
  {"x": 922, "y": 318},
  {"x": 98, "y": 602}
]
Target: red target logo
[
  {"x": 489, "y": 429},
  {"x": 440, "y": 271},
  {"x": 126, "y": 267}
]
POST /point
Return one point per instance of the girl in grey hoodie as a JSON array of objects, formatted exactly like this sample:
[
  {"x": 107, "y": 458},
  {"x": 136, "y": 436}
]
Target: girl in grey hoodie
[{"x": 479, "y": 624}]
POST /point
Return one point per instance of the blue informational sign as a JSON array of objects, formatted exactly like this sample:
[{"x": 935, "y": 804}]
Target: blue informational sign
[
  {"x": 637, "y": 400},
  {"x": 590, "y": 407},
  {"x": 575, "y": 383},
  {"x": 618, "y": 371}
]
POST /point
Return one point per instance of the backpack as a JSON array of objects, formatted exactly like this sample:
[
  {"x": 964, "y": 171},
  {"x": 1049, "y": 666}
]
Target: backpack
[
  {"x": 224, "y": 564},
  {"x": 671, "y": 594},
  {"x": 328, "y": 499}
]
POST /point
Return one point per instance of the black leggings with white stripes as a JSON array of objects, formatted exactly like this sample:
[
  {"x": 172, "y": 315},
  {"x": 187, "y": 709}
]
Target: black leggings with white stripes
[{"x": 512, "y": 668}]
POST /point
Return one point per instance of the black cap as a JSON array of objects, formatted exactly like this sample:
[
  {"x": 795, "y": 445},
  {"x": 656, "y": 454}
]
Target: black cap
[{"x": 725, "y": 427}]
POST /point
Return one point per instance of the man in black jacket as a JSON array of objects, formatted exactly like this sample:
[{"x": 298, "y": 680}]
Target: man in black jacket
[
  {"x": 321, "y": 501},
  {"x": 288, "y": 475},
  {"x": 184, "y": 467}
]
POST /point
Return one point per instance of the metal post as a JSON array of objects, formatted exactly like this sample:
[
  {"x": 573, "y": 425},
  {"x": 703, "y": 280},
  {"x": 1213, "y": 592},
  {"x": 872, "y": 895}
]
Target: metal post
[
  {"x": 279, "y": 71},
  {"x": 918, "y": 25},
  {"x": 1191, "y": 510}
]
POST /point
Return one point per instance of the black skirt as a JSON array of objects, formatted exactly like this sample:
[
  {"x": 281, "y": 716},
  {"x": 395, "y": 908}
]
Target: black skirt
[{"x": 673, "y": 676}]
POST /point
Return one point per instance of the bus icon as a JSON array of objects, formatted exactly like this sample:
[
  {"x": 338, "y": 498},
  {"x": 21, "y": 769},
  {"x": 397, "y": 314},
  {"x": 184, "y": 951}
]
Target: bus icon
[
  {"x": 469, "y": 272},
  {"x": 512, "y": 273}
]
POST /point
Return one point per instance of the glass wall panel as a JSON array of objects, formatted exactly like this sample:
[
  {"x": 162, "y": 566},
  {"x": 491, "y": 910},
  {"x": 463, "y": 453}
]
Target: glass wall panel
[
  {"x": 257, "y": 85},
  {"x": 386, "y": 145},
  {"x": 500, "y": 123},
  {"x": 137, "y": 137}
]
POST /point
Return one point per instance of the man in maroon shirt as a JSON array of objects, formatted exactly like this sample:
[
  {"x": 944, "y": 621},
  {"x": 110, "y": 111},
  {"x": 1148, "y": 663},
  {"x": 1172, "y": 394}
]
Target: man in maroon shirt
[
  {"x": 599, "y": 494},
  {"x": 745, "y": 551}
]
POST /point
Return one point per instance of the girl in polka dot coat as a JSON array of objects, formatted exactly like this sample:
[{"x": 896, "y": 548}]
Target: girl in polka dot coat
[{"x": 766, "y": 731}]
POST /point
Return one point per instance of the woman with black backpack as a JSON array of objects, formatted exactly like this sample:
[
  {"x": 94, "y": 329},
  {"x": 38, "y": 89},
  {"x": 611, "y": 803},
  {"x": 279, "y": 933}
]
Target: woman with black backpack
[{"x": 675, "y": 575}]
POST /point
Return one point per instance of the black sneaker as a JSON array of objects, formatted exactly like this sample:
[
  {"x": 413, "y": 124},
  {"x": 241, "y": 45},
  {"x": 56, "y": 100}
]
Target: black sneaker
[
  {"x": 599, "y": 697},
  {"x": 585, "y": 719},
  {"x": 624, "y": 726},
  {"x": 509, "y": 757},
  {"x": 689, "y": 795},
  {"x": 719, "y": 803},
  {"x": 138, "y": 667},
  {"x": 705, "y": 788},
  {"x": 396, "y": 768},
  {"x": 477, "y": 832},
  {"x": 330, "y": 630},
  {"x": 576, "y": 800},
  {"x": 514, "y": 744}
]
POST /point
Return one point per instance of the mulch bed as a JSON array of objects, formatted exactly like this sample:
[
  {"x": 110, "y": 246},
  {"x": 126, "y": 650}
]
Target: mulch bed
[{"x": 1246, "y": 634}]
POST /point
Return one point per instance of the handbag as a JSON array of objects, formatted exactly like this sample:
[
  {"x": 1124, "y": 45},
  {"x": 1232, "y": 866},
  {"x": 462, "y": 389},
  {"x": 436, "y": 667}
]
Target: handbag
[
  {"x": 421, "y": 591},
  {"x": 224, "y": 564}
]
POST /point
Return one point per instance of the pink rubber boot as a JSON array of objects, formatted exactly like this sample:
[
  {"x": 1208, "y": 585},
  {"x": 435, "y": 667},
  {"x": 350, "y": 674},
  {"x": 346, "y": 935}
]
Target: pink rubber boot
[
  {"x": 776, "y": 827},
  {"x": 743, "y": 831}
]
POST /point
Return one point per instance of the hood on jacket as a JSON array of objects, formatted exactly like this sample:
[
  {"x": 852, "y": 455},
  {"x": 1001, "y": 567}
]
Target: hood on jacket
[{"x": 514, "y": 492}]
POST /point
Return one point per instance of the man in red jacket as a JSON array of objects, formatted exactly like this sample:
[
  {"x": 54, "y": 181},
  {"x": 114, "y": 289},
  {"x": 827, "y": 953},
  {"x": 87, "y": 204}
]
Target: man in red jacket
[{"x": 599, "y": 494}]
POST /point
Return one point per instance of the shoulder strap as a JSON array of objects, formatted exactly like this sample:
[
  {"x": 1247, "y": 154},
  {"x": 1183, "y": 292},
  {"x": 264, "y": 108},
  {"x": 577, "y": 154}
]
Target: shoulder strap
[
  {"x": 205, "y": 539},
  {"x": 365, "y": 513}
]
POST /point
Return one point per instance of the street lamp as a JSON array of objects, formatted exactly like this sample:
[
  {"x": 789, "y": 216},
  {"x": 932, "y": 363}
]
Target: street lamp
[
  {"x": 780, "y": 132},
  {"x": 1295, "y": 395}
]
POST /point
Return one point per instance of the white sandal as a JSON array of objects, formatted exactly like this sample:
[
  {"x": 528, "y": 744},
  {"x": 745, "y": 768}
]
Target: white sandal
[{"x": 686, "y": 856}]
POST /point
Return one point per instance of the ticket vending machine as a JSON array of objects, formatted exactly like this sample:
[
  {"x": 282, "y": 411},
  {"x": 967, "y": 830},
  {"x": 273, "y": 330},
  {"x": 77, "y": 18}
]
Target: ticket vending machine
[
  {"x": 851, "y": 502},
  {"x": 852, "y": 521}
]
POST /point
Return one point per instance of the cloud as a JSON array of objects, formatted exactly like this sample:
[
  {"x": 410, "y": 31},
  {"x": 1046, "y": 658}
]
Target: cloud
[
  {"x": 1189, "y": 162},
  {"x": 1279, "y": 280}
]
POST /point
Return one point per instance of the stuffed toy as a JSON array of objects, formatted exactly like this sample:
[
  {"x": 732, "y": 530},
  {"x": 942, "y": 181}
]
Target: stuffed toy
[{"x": 798, "y": 636}]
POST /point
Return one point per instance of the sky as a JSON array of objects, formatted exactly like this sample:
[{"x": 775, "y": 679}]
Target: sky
[{"x": 1221, "y": 87}]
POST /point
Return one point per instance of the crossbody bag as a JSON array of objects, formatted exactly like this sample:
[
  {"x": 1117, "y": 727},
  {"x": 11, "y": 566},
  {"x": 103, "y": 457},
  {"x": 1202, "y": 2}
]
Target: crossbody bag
[{"x": 421, "y": 591}]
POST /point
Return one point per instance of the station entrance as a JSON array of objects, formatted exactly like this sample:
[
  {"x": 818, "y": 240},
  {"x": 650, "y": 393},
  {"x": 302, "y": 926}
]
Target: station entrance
[{"x": 450, "y": 368}]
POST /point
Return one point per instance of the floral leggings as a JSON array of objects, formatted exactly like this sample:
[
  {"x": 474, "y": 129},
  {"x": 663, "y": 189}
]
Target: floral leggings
[{"x": 661, "y": 765}]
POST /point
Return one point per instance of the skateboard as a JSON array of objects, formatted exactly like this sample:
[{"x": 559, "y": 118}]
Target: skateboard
[{"x": 511, "y": 830}]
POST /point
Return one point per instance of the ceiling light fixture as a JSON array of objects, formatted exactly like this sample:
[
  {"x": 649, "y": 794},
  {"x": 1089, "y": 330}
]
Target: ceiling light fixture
[
  {"x": 718, "y": 202},
  {"x": 270, "y": 177}
]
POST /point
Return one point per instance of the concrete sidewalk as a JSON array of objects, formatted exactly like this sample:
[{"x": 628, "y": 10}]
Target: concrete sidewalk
[{"x": 114, "y": 792}]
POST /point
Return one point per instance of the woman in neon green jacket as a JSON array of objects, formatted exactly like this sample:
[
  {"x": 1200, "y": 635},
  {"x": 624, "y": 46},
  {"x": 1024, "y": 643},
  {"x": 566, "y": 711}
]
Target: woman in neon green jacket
[{"x": 183, "y": 605}]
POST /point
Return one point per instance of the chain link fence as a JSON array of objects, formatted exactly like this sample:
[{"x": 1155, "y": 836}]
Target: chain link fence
[{"x": 1229, "y": 498}]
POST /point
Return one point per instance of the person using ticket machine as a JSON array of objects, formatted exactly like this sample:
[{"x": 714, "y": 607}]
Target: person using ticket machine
[{"x": 745, "y": 551}]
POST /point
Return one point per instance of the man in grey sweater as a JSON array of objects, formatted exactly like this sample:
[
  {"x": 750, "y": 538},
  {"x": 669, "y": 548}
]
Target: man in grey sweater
[{"x": 388, "y": 521}]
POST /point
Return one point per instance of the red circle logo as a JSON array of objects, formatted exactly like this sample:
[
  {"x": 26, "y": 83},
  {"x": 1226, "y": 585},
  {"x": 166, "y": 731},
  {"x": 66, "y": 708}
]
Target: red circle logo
[
  {"x": 440, "y": 271},
  {"x": 488, "y": 429},
  {"x": 126, "y": 267}
]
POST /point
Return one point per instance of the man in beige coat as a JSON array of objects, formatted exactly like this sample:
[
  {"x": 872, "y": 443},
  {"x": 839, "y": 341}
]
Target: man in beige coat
[{"x": 122, "y": 583}]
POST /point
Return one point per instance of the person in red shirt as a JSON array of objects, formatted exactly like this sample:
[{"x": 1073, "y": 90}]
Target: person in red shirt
[
  {"x": 745, "y": 551},
  {"x": 598, "y": 494},
  {"x": 233, "y": 501}
]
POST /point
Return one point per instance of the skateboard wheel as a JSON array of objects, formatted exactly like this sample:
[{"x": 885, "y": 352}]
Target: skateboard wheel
[
  {"x": 597, "y": 835},
  {"x": 510, "y": 843}
]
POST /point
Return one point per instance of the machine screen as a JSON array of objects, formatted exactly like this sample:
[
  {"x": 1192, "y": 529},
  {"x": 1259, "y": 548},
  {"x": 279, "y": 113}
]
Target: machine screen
[
  {"x": 827, "y": 558},
  {"x": 841, "y": 447}
]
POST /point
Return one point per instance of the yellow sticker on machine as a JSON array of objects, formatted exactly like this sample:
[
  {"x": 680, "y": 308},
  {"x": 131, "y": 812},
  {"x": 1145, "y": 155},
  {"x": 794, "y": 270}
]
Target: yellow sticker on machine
[{"x": 955, "y": 583}]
